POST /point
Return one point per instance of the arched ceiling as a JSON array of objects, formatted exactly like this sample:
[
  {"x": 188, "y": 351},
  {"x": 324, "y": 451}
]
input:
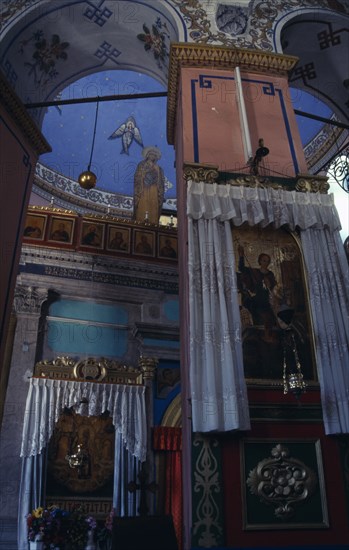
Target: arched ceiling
[
  {"x": 54, "y": 48},
  {"x": 321, "y": 41},
  {"x": 59, "y": 42}
]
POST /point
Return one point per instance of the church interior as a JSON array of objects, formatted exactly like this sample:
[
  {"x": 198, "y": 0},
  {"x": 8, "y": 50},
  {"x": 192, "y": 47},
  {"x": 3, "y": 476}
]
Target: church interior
[{"x": 174, "y": 298}]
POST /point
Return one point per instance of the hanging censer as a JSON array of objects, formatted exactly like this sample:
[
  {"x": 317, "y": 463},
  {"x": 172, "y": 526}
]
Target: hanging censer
[
  {"x": 292, "y": 376},
  {"x": 292, "y": 371}
]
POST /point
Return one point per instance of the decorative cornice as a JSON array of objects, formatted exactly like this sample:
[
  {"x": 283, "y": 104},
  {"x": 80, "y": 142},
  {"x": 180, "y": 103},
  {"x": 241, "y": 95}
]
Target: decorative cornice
[
  {"x": 221, "y": 58},
  {"x": 89, "y": 370},
  {"x": 163, "y": 332},
  {"x": 69, "y": 264},
  {"x": 200, "y": 172},
  {"x": 304, "y": 183},
  {"x": 15, "y": 108},
  {"x": 50, "y": 209}
]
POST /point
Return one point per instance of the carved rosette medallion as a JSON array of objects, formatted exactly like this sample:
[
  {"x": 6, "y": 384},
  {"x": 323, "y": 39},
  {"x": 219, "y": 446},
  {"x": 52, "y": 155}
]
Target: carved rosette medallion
[{"x": 282, "y": 481}]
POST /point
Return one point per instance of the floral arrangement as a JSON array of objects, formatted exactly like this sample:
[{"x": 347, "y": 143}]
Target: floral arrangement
[
  {"x": 37, "y": 523},
  {"x": 58, "y": 528},
  {"x": 47, "y": 525},
  {"x": 104, "y": 534}
]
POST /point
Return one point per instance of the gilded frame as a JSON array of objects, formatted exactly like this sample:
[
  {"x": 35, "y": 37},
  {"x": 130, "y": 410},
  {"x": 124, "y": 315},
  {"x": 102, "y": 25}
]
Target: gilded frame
[
  {"x": 144, "y": 243},
  {"x": 258, "y": 456},
  {"x": 119, "y": 239},
  {"x": 263, "y": 338},
  {"x": 167, "y": 247},
  {"x": 61, "y": 230},
  {"x": 92, "y": 234},
  {"x": 35, "y": 226}
]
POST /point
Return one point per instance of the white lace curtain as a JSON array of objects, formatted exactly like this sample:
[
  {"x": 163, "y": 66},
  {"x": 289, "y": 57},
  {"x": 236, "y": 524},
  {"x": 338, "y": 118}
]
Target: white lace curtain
[
  {"x": 218, "y": 389},
  {"x": 46, "y": 401}
]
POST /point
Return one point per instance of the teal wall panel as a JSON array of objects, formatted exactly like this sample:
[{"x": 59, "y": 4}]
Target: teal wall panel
[
  {"x": 86, "y": 339},
  {"x": 89, "y": 311}
]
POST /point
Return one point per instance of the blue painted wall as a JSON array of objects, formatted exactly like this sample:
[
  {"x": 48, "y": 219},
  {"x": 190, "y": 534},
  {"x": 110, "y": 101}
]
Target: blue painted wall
[{"x": 82, "y": 335}]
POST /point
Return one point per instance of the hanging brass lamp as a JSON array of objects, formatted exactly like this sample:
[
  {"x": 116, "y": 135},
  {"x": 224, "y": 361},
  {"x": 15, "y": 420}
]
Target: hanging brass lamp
[{"x": 87, "y": 179}]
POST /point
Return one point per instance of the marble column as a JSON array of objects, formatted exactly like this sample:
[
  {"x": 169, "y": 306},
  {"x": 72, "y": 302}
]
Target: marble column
[
  {"x": 27, "y": 309},
  {"x": 148, "y": 366}
]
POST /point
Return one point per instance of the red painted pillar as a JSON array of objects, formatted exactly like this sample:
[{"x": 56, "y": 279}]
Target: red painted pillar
[{"x": 21, "y": 144}]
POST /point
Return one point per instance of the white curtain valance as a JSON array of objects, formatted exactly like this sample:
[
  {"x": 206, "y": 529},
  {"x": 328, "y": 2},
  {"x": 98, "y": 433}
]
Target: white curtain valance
[
  {"x": 262, "y": 206},
  {"x": 47, "y": 399}
]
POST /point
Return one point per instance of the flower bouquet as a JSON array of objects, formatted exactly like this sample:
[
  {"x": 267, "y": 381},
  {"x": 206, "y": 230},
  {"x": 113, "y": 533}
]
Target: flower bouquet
[
  {"x": 104, "y": 533},
  {"x": 48, "y": 526},
  {"x": 75, "y": 530},
  {"x": 37, "y": 522}
]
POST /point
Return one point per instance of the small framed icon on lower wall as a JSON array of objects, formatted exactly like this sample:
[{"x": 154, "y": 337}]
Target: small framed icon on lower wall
[
  {"x": 61, "y": 230},
  {"x": 92, "y": 234},
  {"x": 35, "y": 226},
  {"x": 144, "y": 243},
  {"x": 168, "y": 246},
  {"x": 119, "y": 239}
]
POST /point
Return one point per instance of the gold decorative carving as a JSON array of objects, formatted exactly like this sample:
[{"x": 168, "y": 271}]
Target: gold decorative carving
[
  {"x": 312, "y": 184},
  {"x": 282, "y": 481},
  {"x": 306, "y": 183},
  {"x": 200, "y": 172},
  {"x": 218, "y": 57},
  {"x": 89, "y": 369},
  {"x": 50, "y": 209},
  {"x": 15, "y": 108},
  {"x": 148, "y": 367}
]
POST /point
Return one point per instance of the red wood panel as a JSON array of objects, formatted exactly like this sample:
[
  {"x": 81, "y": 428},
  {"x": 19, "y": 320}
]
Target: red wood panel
[{"x": 338, "y": 531}]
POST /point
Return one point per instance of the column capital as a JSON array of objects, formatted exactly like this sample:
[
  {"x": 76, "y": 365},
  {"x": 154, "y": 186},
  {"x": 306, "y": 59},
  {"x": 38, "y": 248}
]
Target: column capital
[
  {"x": 148, "y": 366},
  {"x": 29, "y": 299}
]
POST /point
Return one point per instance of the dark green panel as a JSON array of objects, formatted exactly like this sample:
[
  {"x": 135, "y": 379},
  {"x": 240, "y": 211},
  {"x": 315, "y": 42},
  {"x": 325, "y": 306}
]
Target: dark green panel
[{"x": 207, "y": 492}]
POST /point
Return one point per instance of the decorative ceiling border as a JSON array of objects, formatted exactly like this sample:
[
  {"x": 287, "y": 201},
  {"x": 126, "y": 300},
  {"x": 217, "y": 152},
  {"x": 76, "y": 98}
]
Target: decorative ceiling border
[
  {"x": 15, "y": 108},
  {"x": 65, "y": 192},
  {"x": 320, "y": 149},
  {"x": 222, "y": 58},
  {"x": 262, "y": 15}
]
